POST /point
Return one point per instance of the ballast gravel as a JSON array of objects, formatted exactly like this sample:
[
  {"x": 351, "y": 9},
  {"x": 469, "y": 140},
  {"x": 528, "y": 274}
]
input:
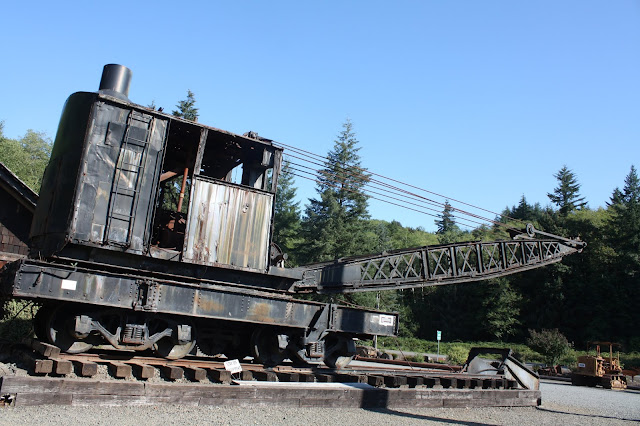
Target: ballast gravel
[{"x": 562, "y": 404}]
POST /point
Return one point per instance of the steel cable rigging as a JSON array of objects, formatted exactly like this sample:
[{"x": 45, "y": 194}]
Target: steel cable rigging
[{"x": 385, "y": 191}]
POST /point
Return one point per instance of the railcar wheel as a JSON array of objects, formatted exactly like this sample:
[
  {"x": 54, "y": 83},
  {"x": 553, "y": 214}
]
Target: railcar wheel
[
  {"x": 172, "y": 347},
  {"x": 166, "y": 348},
  {"x": 339, "y": 351},
  {"x": 60, "y": 328},
  {"x": 40, "y": 322},
  {"x": 269, "y": 347}
]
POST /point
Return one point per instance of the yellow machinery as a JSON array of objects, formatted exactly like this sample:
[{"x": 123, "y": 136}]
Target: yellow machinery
[{"x": 598, "y": 370}]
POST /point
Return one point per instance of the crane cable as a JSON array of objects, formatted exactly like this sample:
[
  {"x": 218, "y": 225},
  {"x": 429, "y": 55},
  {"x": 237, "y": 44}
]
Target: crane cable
[
  {"x": 335, "y": 184},
  {"x": 363, "y": 175}
]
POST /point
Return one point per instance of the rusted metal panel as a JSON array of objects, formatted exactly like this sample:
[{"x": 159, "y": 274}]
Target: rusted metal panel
[
  {"x": 43, "y": 281},
  {"x": 228, "y": 225},
  {"x": 100, "y": 184}
]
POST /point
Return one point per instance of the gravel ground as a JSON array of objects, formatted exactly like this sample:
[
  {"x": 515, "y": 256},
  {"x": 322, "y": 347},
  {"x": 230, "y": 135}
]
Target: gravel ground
[{"x": 562, "y": 404}]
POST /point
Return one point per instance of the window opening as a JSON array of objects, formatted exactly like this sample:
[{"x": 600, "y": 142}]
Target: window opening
[
  {"x": 237, "y": 160},
  {"x": 175, "y": 185}
]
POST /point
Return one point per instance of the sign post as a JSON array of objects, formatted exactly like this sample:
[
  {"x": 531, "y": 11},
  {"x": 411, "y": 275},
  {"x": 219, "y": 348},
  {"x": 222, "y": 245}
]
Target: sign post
[{"x": 439, "y": 336}]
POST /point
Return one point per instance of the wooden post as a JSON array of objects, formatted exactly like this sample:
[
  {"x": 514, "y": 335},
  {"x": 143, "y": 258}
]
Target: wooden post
[{"x": 182, "y": 188}]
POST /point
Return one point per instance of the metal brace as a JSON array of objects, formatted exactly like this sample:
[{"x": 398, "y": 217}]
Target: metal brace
[{"x": 148, "y": 296}]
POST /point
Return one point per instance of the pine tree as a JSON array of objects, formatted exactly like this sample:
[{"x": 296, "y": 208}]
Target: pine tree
[
  {"x": 335, "y": 224},
  {"x": 566, "y": 195},
  {"x": 500, "y": 301},
  {"x": 624, "y": 225},
  {"x": 186, "y": 108},
  {"x": 287, "y": 213},
  {"x": 446, "y": 222}
]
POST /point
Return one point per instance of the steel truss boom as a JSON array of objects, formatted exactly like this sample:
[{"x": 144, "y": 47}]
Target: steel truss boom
[{"x": 437, "y": 265}]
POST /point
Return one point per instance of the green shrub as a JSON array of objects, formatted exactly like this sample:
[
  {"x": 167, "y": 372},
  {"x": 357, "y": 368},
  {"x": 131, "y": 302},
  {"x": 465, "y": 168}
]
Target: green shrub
[
  {"x": 16, "y": 323},
  {"x": 415, "y": 358},
  {"x": 630, "y": 360},
  {"x": 552, "y": 344},
  {"x": 457, "y": 354}
]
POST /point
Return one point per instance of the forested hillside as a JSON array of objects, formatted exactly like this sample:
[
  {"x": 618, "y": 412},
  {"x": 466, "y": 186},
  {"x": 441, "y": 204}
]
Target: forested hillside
[{"x": 594, "y": 295}]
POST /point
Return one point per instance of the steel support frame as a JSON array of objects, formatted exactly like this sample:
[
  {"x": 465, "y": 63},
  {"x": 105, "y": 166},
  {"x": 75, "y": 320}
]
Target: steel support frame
[
  {"x": 427, "y": 266},
  {"x": 44, "y": 281}
]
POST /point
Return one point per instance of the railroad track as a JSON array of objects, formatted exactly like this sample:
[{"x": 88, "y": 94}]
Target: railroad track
[
  {"x": 108, "y": 378},
  {"x": 48, "y": 360}
]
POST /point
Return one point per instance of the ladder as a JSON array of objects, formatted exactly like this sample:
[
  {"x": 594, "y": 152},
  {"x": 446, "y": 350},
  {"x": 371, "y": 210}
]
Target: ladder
[{"x": 127, "y": 179}]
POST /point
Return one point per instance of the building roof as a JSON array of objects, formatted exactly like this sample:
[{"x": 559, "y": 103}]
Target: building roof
[{"x": 17, "y": 188}]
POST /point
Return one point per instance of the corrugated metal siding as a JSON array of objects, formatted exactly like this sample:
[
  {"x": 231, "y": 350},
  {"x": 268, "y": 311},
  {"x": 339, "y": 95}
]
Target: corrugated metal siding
[{"x": 228, "y": 225}]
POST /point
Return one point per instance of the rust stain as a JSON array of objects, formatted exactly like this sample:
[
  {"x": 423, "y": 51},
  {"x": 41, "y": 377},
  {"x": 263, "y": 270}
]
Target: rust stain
[
  {"x": 207, "y": 305},
  {"x": 260, "y": 312}
]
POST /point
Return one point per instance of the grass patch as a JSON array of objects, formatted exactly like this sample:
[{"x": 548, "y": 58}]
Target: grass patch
[{"x": 16, "y": 323}]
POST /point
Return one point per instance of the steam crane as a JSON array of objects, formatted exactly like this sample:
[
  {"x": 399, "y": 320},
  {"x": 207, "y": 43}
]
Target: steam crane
[{"x": 153, "y": 232}]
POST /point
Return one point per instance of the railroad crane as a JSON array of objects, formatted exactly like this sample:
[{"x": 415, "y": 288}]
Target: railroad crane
[{"x": 153, "y": 232}]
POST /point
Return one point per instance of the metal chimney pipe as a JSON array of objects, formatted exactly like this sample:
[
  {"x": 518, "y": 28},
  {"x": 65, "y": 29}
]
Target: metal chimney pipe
[{"x": 115, "y": 81}]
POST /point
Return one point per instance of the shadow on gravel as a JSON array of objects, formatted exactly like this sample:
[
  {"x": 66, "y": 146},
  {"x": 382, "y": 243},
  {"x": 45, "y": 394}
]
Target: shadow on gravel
[
  {"x": 547, "y": 410},
  {"x": 421, "y": 417}
]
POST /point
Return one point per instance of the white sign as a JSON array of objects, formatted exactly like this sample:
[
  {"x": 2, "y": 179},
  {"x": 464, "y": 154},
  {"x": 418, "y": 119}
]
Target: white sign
[
  {"x": 386, "y": 319},
  {"x": 581, "y": 365},
  {"x": 68, "y": 284},
  {"x": 233, "y": 366},
  {"x": 439, "y": 335}
]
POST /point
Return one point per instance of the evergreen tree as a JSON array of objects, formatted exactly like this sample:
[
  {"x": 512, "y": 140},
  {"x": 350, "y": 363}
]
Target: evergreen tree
[
  {"x": 500, "y": 302},
  {"x": 523, "y": 211},
  {"x": 624, "y": 225},
  {"x": 287, "y": 213},
  {"x": 566, "y": 195},
  {"x": 335, "y": 224},
  {"x": 446, "y": 222},
  {"x": 623, "y": 230},
  {"x": 448, "y": 231},
  {"x": 186, "y": 108}
]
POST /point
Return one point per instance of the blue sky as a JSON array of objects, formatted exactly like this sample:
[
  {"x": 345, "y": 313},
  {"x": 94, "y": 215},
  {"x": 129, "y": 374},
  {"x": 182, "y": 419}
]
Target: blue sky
[{"x": 481, "y": 101}]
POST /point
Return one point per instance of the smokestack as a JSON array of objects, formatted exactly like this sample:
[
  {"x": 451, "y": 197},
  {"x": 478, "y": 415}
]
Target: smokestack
[{"x": 115, "y": 81}]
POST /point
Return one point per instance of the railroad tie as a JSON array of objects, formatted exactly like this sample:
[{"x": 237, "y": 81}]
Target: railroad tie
[
  {"x": 325, "y": 378},
  {"x": 464, "y": 384},
  {"x": 415, "y": 381},
  {"x": 119, "y": 370},
  {"x": 43, "y": 349},
  {"x": 433, "y": 382},
  {"x": 265, "y": 376},
  {"x": 172, "y": 372},
  {"x": 307, "y": 378},
  {"x": 220, "y": 376},
  {"x": 42, "y": 366},
  {"x": 85, "y": 368},
  {"x": 376, "y": 381},
  {"x": 288, "y": 377},
  {"x": 196, "y": 374},
  {"x": 143, "y": 371},
  {"x": 61, "y": 367},
  {"x": 395, "y": 381},
  {"x": 349, "y": 378}
]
